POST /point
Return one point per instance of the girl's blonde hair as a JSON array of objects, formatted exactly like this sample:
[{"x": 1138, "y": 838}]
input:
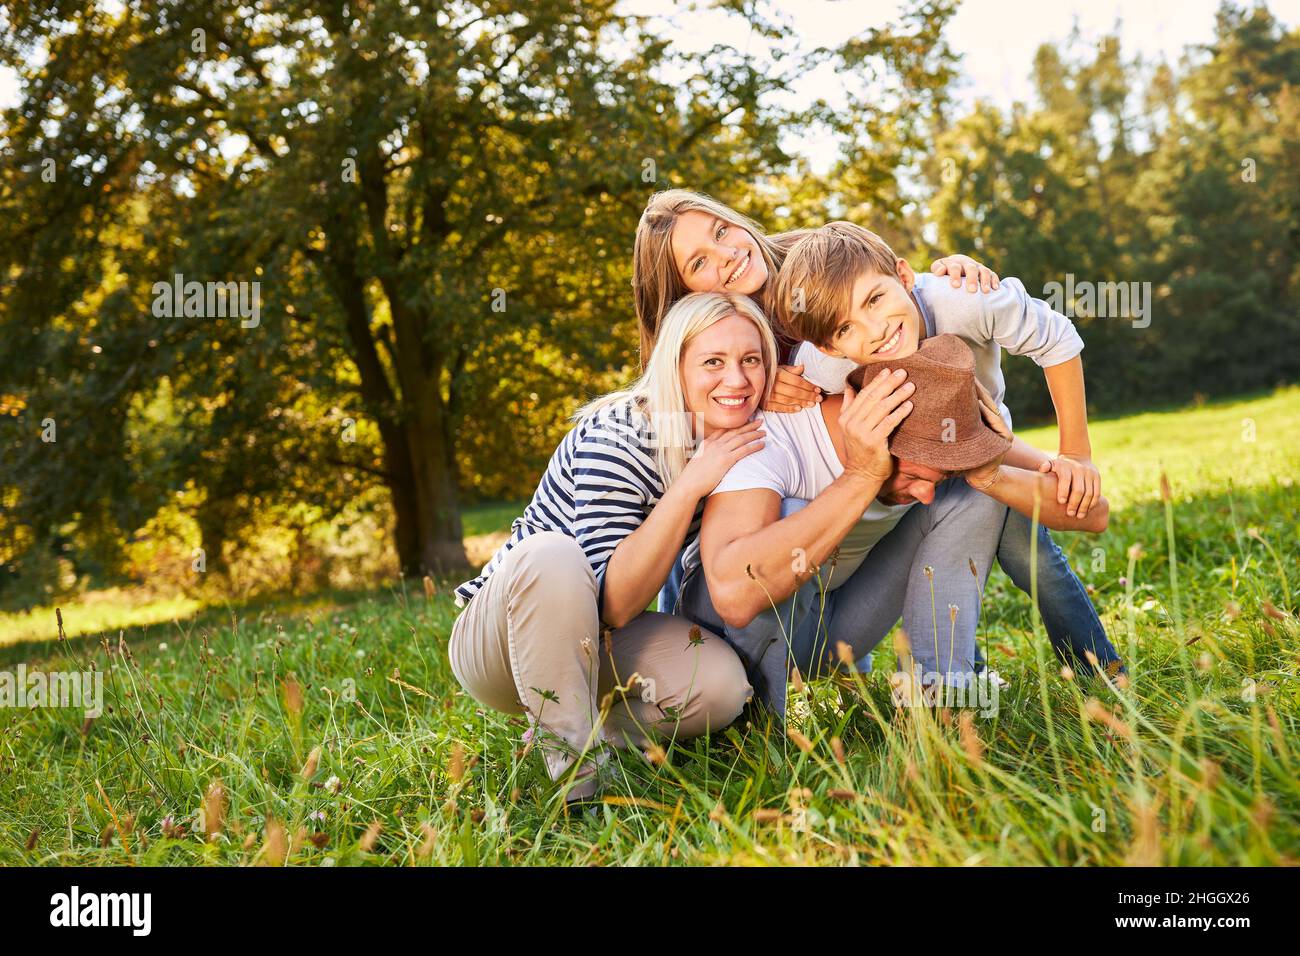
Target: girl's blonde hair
[
  {"x": 656, "y": 283},
  {"x": 657, "y": 399}
]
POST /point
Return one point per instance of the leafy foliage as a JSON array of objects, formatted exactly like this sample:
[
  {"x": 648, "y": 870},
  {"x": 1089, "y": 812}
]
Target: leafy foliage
[{"x": 438, "y": 204}]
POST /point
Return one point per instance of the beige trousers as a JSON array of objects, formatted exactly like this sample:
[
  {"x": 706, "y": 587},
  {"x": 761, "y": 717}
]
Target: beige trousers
[{"x": 530, "y": 642}]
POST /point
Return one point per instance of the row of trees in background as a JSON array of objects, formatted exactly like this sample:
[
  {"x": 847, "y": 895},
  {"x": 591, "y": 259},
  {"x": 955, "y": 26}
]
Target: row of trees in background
[
  {"x": 1182, "y": 177},
  {"x": 437, "y": 208}
]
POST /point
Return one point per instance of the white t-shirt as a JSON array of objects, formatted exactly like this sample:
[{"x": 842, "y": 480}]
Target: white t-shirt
[
  {"x": 798, "y": 460},
  {"x": 1006, "y": 318}
]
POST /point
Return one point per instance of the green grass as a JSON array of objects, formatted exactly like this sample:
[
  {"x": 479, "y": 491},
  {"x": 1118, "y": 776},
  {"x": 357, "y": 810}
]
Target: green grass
[
  {"x": 489, "y": 516},
  {"x": 110, "y": 609},
  {"x": 1247, "y": 443},
  {"x": 97, "y": 612},
  {"x": 1194, "y": 763}
]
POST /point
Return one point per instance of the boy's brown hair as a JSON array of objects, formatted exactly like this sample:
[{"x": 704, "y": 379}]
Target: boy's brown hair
[{"x": 814, "y": 288}]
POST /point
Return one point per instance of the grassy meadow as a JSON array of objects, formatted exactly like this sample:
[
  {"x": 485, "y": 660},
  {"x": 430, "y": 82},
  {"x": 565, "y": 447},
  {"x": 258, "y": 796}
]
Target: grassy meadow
[{"x": 328, "y": 729}]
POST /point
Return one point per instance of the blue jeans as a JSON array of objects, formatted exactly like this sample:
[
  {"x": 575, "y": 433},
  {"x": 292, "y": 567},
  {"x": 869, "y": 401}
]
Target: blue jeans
[
  {"x": 672, "y": 588},
  {"x": 1069, "y": 617},
  {"x": 919, "y": 571},
  {"x": 1071, "y": 621}
]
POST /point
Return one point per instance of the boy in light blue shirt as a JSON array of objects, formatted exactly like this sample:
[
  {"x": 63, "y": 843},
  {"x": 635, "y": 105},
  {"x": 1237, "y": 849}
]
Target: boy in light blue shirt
[{"x": 852, "y": 301}]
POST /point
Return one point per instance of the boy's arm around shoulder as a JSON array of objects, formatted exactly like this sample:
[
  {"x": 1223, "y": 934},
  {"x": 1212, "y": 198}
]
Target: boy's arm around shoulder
[{"x": 1008, "y": 315}]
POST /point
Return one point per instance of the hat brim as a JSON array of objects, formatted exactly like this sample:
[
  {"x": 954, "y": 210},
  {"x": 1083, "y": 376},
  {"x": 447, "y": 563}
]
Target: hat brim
[{"x": 950, "y": 456}]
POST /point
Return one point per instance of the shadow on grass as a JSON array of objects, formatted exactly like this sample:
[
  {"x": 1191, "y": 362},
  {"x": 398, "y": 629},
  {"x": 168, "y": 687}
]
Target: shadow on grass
[{"x": 218, "y": 613}]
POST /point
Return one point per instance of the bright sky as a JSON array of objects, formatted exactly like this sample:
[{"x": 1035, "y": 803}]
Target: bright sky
[{"x": 997, "y": 38}]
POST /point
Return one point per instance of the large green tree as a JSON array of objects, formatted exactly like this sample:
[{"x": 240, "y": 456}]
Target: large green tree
[{"x": 437, "y": 202}]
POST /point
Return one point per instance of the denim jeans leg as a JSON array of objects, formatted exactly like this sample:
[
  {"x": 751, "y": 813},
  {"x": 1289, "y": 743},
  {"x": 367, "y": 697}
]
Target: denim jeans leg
[
  {"x": 1068, "y": 614},
  {"x": 922, "y": 570},
  {"x": 672, "y": 589},
  {"x": 922, "y": 565},
  {"x": 958, "y": 528},
  {"x": 764, "y": 645}
]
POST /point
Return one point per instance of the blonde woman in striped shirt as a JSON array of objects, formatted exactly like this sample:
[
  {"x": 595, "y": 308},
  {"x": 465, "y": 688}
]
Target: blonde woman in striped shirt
[{"x": 622, "y": 495}]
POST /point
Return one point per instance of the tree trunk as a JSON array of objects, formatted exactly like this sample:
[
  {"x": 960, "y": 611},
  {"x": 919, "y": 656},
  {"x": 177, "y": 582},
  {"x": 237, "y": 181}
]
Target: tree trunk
[
  {"x": 437, "y": 504},
  {"x": 406, "y": 532},
  {"x": 427, "y": 509},
  {"x": 427, "y": 532},
  {"x": 418, "y": 448},
  {"x": 418, "y": 454}
]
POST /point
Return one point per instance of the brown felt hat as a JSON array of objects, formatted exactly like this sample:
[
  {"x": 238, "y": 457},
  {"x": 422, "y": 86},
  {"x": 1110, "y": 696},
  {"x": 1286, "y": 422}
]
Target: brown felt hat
[{"x": 944, "y": 430}]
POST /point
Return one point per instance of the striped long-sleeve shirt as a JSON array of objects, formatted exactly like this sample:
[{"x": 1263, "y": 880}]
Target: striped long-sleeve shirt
[{"x": 600, "y": 485}]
